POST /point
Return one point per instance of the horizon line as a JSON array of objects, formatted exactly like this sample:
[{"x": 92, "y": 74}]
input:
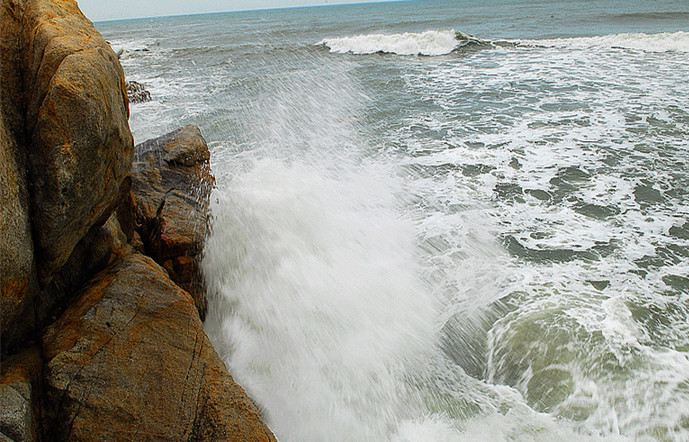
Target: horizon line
[{"x": 232, "y": 11}]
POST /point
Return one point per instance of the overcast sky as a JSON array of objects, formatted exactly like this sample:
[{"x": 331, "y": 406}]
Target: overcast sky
[{"x": 98, "y": 10}]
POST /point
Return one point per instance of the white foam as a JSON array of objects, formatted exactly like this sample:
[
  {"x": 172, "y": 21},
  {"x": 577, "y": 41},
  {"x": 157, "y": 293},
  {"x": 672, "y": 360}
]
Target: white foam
[
  {"x": 320, "y": 309},
  {"x": 666, "y": 41},
  {"x": 424, "y": 43},
  {"x": 328, "y": 309},
  {"x": 323, "y": 306},
  {"x": 601, "y": 331}
]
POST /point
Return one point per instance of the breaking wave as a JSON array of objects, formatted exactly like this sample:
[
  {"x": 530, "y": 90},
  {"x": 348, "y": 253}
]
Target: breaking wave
[
  {"x": 433, "y": 43},
  {"x": 428, "y": 43},
  {"x": 666, "y": 41}
]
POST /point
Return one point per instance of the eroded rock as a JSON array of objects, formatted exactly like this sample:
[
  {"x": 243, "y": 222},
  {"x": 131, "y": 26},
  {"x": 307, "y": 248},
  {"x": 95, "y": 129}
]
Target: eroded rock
[
  {"x": 130, "y": 361},
  {"x": 171, "y": 185}
]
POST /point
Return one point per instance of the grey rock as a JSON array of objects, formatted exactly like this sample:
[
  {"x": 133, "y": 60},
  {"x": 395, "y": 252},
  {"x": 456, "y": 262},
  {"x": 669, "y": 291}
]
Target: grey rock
[
  {"x": 137, "y": 93},
  {"x": 18, "y": 396}
]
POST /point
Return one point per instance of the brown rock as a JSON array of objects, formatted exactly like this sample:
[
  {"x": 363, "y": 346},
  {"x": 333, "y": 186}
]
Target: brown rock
[
  {"x": 171, "y": 185},
  {"x": 65, "y": 152},
  {"x": 80, "y": 147},
  {"x": 130, "y": 361},
  {"x": 100, "y": 247},
  {"x": 17, "y": 270},
  {"x": 18, "y": 284},
  {"x": 126, "y": 215},
  {"x": 11, "y": 13},
  {"x": 19, "y": 395}
]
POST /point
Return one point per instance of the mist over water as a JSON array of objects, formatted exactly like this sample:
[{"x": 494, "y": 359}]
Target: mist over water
[{"x": 488, "y": 239}]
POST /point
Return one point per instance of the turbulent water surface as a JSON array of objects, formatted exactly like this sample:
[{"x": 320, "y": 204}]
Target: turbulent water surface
[{"x": 441, "y": 220}]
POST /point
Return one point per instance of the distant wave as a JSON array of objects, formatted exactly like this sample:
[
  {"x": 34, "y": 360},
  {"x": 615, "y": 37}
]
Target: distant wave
[
  {"x": 125, "y": 49},
  {"x": 666, "y": 41},
  {"x": 424, "y": 43},
  {"x": 676, "y": 15}
]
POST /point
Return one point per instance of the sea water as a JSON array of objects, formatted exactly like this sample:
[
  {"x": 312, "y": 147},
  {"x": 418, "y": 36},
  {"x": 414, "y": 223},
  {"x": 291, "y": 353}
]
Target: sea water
[{"x": 441, "y": 220}]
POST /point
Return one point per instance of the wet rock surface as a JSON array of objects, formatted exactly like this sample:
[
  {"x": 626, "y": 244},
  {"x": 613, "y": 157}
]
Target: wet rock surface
[
  {"x": 137, "y": 93},
  {"x": 172, "y": 182}
]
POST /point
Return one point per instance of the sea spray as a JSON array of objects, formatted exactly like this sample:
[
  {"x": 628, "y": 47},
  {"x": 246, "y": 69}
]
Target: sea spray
[
  {"x": 318, "y": 308},
  {"x": 537, "y": 188},
  {"x": 327, "y": 310},
  {"x": 346, "y": 312}
]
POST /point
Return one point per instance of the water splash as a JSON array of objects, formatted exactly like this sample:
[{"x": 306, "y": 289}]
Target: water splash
[{"x": 325, "y": 294}]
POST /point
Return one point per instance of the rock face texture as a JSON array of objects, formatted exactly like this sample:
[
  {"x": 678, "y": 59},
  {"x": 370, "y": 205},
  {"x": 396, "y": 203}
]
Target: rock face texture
[
  {"x": 17, "y": 269},
  {"x": 172, "y": 184},
  {"x": 65, "y": 146},
  {"x": 19, "y": 396},
  {"x": 80, "y": 146},
  {"x": 18, "y": 284},
  {"x": 130, "y": 361},
  {"x": 97, "y": 341}
]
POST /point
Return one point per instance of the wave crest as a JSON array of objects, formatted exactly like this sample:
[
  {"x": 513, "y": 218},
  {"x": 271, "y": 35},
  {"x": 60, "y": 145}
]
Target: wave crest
[{"x": 424, "y": 43}]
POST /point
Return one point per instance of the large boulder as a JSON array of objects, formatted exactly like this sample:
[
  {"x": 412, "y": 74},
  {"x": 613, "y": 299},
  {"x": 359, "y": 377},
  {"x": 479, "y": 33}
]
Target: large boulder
[
  {"x": 18, "y": 285},
  {"x": 80, "y": 147},
  {"x": 19, "y": 396},
  {"x": 65, "y": 154},
  {"x": 130, "y": 361},
  {"x": 172, "y": 182},
  {"x": 128, "y": 358}
]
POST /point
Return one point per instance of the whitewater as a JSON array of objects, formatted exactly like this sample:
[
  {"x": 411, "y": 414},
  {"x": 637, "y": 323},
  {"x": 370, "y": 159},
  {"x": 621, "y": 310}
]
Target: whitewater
[{"x": 437, "y": 221}]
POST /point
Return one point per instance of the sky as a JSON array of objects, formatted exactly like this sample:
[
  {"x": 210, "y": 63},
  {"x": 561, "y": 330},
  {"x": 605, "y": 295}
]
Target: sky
[{"x": 100, "y": 10}]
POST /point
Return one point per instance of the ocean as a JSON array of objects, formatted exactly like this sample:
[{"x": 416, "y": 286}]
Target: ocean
[{"x": 441, "y": 220}]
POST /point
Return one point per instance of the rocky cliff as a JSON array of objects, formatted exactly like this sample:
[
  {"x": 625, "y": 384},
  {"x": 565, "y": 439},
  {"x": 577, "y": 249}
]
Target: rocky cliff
[{"x": 99, "y": 340}]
